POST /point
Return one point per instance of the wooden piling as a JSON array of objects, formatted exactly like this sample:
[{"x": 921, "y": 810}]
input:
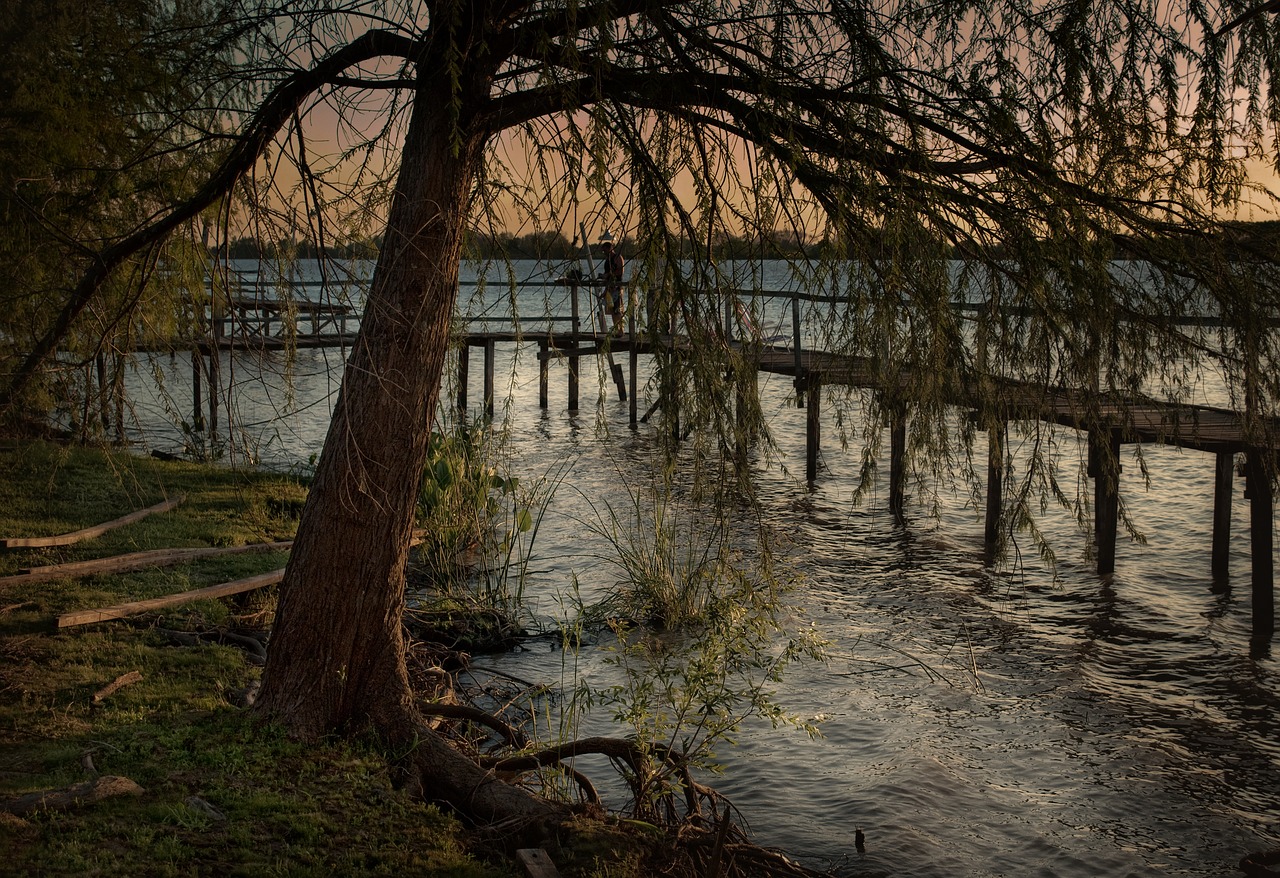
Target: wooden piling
[
  {"x": 1223, "y": 484},
  {"x": 464, "y": 369},
  {"x": 573, "y": 351},
  {"x": 633, "y": 359},
  {"x": 995, "y": 493},
  {"x": 197, "y": 390},
  {"x": 795, "y": 347},
  {"x": 1104, "y": 467},
  {"x": 215, "y": 381},
  {"x": 217, "y": 326},
  {"x": 897, "y": 467},
  {"x": 812, "y": 427},
  {"x": 1258, "y": 486},
  {"x": 544, "y": 371},
  {"x": 490, "y": 354}
]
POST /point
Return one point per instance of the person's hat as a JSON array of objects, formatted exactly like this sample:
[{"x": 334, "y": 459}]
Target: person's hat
[{"x": 606, "y": 240}]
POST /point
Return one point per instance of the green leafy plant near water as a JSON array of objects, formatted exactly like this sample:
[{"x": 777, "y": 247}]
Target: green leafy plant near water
[
  {"x": 467, "y": 508},
  {"x": 703, "y": 637},
  {"x": 477, "y": 526}
]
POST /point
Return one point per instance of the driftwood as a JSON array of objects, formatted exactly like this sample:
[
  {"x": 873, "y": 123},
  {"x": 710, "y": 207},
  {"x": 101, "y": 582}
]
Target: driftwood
[
  {"x": 136, "y": 561},
  {"x": 115, "y": 686},
  {"x": 86, "y": 793},
  {"x": 88, "y": 532},
  {"x": 119, "y": 611}
]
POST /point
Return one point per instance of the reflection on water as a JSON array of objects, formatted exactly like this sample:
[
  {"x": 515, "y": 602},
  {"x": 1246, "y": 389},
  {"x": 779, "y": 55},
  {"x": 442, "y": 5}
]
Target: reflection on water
[{"x": 1031, "y": 723}]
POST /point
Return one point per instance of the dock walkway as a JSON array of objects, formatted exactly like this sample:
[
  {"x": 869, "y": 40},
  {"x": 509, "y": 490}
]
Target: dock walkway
[{"x": 1111, "y": 422}]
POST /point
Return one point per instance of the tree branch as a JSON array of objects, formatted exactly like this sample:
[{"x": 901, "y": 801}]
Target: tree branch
[{"x": 275, "y": 112}]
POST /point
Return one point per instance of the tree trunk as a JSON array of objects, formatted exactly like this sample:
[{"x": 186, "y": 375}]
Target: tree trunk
[{"x": 336, "y": 660}]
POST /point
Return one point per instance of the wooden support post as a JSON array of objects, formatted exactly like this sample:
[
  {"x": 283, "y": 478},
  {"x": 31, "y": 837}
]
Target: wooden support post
[
  {"x": 619, "y": 379},
  {"x": 104, "y": 409},
  {"x": 217, "y": 315},
  {"x": 897, "y": 467},
  {"x": 812, "y": 427},
  {"x": 490, "y": 354},
  {"x": 544, "y": 370},
  {"x": 464, "y": 369},
  {"x": 215, "y": 382},
  {"x": 573, "y": 351},
  {"x": 1222, "y": 489},
  {"x": 995, "y": 493},
  {"x": 197, "y": 382},
  {"x": 1261, "y": 502},
  {"x": 633, "y": 359},
  {"x": 795, "y": 344},
  {"x": 1104, "y": 467}
]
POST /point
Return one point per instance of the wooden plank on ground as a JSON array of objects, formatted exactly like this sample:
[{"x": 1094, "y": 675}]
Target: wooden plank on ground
[
  {"x": 136, "y": 561},
  {"x": 88, "y": 532},
  {"x": 536, "y": 863},
  {"x": 119, "y": 611}
]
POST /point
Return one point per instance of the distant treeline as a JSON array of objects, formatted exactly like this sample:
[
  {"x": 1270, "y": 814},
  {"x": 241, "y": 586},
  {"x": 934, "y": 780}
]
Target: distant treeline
[
  {"x": 1249, "y": 240},
  {"x": 536, "y": 245}
]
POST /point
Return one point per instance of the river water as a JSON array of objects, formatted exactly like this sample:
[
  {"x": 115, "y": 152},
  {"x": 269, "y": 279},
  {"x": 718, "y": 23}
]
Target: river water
[{"x": 1038, "y": 721}]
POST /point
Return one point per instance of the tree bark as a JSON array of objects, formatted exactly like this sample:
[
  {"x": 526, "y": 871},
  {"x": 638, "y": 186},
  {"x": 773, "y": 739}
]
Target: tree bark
[{"x": 337, "y": 655}]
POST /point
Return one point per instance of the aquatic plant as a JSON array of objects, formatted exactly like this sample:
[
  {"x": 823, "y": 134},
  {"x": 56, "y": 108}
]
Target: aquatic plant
[{"x": 470, "y": 515}]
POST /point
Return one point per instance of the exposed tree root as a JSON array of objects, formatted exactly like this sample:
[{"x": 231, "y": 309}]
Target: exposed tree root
[
  {"x": 255, "y": 650},
  {"x": 700, "y": 837},
  {"x": 1257, "y": 865}
]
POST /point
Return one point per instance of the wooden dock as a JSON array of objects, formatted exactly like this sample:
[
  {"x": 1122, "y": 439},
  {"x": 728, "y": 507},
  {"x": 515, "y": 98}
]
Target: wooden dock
[{"x": 1111, "y": 421}]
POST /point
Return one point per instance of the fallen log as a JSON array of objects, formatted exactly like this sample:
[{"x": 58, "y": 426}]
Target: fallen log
[
  {"x": 119, "y": 611},
  {"x": 136, "y": 561},
  {"x": 86, "y": 793},
  {"x": 88, "y": 532}
]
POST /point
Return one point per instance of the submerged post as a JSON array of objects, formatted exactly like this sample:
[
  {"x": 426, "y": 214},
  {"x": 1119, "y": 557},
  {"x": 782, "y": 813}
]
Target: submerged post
[
  {"x": 214, "y": 372},
  {"x": 1104, "y": 467},
  {"x": 632, "y": 359},
  {"x": 1224, "y": 477},
  {"x": 897, "y": 466},
  {"x": 812, "y": 426},
  {"x": 795, "y": 345},
  {"x": 1258, "y": 489},
  {"x": 995, "y": 493},
  {"x": 197, "y": 379},
  {"x": 490, "y": 351},
  {"x": 544, "y": 370},
  {"x": 573, "y": 350},
  {"x": 463, "y": 370}
]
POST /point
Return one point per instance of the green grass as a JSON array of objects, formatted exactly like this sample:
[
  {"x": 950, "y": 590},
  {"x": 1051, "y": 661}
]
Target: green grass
[
  {"x": 286, "y": 809},
  {"x": 326, "y": 809},
  {"x": 50, "y": 489}
]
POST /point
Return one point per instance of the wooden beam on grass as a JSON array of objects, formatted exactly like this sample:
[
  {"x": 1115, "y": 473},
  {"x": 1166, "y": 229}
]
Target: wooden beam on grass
[
  {"x": 88, "y": 532},
  {"x": 136, "y": 561},
  {"x": 119, "y": 611}
]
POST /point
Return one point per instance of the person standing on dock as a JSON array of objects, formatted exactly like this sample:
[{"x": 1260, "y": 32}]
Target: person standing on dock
[{"x": 613, "y": 285}]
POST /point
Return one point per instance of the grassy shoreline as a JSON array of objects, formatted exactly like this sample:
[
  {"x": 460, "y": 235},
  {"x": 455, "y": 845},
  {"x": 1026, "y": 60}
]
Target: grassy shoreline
[{"x": 224, "y": 794}]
